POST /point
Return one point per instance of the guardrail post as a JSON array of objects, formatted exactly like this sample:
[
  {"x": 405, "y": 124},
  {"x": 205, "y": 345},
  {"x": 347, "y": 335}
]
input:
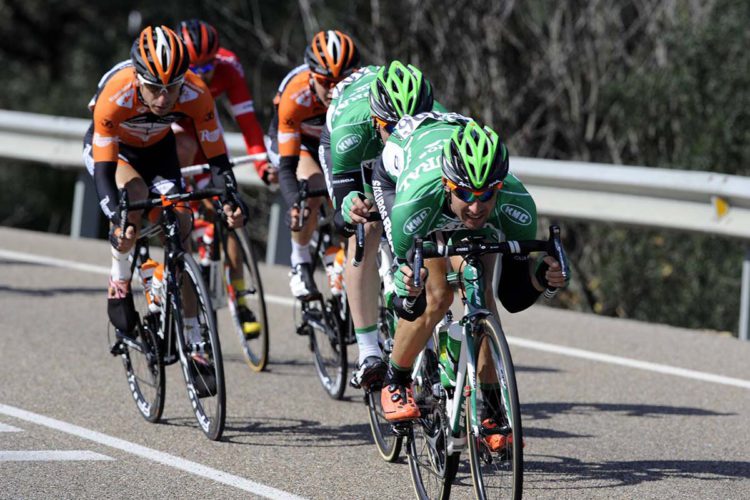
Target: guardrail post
[
  {"x": 279, "y": 246},
  {"x": 745, "y": 298},
  {"x": 84, "y": 221}
]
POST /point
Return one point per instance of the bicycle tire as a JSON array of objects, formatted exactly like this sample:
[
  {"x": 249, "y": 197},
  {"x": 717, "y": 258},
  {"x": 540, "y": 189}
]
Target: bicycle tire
[
  {"x": 144, "y": 367},
  {"x": 386, "y": 440},
  {"x": 204, "y": 381},
  {"x": 328, "y": 344},
  {"x": 497, "y": 474},
  {"x": 254, "y": 349},
  {"x": 432, "y": 469}
]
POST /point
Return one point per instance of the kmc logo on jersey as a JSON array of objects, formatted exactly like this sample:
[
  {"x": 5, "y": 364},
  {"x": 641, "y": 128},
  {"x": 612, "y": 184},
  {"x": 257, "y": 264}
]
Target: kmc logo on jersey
[
  {"x": 347, "y": 143},
  {"x": 416, "y": 220},
  {"x": 516, "y": 214}
]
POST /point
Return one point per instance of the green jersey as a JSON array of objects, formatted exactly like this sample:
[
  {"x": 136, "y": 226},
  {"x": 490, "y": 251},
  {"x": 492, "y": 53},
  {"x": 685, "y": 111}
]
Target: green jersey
[
  {"x": 354, "y": 140},
  {"x": 413, "y": 159}
]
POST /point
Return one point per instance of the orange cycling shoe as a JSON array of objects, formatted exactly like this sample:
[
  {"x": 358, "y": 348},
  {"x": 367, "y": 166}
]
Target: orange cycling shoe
[
  {"x": 398, "y": 403},
  {"x": 497, "y": 442}
]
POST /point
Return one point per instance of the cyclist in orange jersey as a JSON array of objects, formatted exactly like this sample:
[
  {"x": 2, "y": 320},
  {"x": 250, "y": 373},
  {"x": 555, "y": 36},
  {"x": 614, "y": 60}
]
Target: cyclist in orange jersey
[
  {"x": 294, "y": 137},
  {"x": 130, "y": 145}
]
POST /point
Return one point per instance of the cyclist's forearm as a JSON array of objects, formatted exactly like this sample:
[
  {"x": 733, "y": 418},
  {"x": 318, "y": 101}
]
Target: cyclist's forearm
[
  {"x": 516, "y": 290},
  {"x": 288, "y": 178},
  {"x": 106, "y": 189}
]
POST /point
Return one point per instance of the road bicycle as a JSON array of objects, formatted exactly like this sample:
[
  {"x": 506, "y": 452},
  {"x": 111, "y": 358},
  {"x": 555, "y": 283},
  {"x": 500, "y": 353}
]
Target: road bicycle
[
  {"x": 162, "y": 335},
  {"x": 451, "y": 414},
  {"x": 214, "y": 238},
  {"x": 325, "y": 318}
]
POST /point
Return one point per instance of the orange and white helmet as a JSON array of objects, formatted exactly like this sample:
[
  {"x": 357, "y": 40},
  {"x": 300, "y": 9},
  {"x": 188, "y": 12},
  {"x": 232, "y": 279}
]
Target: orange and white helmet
[
  {"x": 332, "y": 54},
  {"x": 159, "y": 56}
]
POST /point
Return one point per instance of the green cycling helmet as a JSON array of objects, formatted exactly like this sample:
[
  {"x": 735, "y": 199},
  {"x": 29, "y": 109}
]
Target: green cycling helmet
[
  {"x": 399, "y": 90},
  {"x": 475, "y": 158}
]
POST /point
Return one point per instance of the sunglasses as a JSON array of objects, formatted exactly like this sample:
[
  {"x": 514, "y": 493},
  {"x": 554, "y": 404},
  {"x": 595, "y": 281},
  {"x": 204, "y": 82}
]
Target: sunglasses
[
  {"x": 388, "y": 127},
  {"x": 325, "y": 82},
  {"x": 470, "y": 196},
  {"x": 158, "y": 88},
  {"x": 203, "y": 68}
]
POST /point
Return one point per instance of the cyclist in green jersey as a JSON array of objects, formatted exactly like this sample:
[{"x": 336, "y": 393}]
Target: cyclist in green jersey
[
  {"x": 364, "y": 109},
  {"x": 443, "y": 173}
]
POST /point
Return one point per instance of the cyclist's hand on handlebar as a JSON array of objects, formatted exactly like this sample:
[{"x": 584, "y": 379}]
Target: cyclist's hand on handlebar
[
  {"x": 234, "y": 217},
  {"x": 270, "y": 174},
  {"x": 296, "y": 218},
  {"x": 403, "y": 280},
  {"x": 355, "y": 208},
  {"x": 122, "y": 242},
  {"x": 549, "y": 274}
]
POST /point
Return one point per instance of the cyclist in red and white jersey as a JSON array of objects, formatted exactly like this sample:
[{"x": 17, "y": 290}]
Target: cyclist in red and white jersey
[{"x": 221, "y": 71}]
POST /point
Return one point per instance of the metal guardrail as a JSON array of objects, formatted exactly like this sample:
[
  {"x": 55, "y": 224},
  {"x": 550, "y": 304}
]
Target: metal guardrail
[{"x": 650, "y": 197}]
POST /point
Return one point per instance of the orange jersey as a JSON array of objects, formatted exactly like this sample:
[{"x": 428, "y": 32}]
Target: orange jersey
[
  {"x": 121, "y": 116},
  {"x": 299, "y": 112}
]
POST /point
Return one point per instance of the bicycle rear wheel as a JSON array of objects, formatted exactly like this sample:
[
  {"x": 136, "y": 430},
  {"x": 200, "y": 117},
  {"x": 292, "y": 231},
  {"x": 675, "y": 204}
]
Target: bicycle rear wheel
[
  {"x": 432, "y": 469},
  {"x": 496, "y": 474},
  {"x": 143, "y": 364},
  {"x": 201, "y": 360},
  {"x": 255, "y": 345},
  {"x": 327, "y": 333}
]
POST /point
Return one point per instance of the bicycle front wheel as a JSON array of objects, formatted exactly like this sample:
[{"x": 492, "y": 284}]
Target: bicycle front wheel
[
  {"x": 200, "y": 350},
  {"x": 495, "y": 455},
  {"x": 144, "y": 368},
  {"x": 249, "y": 302},
  {"x": 432, "y": 468},
  {"x": 327, "y": 331},
  {"x": 386, "y": 440}
]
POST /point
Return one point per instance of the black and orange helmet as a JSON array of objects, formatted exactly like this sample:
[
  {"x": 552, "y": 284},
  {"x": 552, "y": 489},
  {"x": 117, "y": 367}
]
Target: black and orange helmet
[
  {"x": 332, "y": 54},
  {"x": 159, "y": 56},
  {"x": 201, "y": 41}
]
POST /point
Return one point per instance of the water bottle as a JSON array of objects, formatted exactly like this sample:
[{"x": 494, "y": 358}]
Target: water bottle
[
  {"x": 450, "y": 349},
  {"x": 334, "y": 263},
  {"x": 154, "y": 297}
]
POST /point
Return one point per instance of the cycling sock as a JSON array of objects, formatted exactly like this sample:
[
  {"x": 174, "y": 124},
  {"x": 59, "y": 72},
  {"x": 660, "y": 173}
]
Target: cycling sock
[
  {"x": 397, "y": 375},
  {"x": 193, "y": 330},
  {"x": 300, "y": 253},
  {"x": 239, "y": 286},
  {"x": 120, "y": 270},
  {"x": 367, "y": 341}
]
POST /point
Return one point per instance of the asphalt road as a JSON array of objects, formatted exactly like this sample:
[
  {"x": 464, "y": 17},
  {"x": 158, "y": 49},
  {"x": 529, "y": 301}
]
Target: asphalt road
[{"x": 606, "y": 413}]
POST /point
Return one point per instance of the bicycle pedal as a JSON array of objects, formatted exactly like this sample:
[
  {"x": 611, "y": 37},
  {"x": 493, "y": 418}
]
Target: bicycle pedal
[
  {"x": 401, "y": 429},
  {"x": 117, "y": 349},
  {"x": 303, "y": 330}
]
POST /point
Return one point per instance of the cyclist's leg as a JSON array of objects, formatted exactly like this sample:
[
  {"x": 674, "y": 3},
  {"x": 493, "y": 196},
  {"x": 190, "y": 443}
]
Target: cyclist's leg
[
  {"x": 302, "y": 283},
  {"x": 410, "y": 339},
  {"x": 363, "y": 282},
  {"x": 186, "y": 142}
]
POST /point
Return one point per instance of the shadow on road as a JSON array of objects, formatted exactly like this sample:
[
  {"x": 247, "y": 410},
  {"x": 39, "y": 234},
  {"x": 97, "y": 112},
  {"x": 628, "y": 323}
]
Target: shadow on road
[
  {"x": 48, "y": 292},
  {"x": 546, "y": 411},
  {"x": 626, "y": 473}
]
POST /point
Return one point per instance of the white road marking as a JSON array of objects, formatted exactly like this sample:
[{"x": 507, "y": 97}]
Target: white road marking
[
  {"x": 629, "y": 362},
  {"x": 530, "y": 344},
  {"x": 102, "y": 270},
  {"x": 50, "y": 456},
  {"x": 148, "y": 453},
  {"x": 9, "y": 428}
]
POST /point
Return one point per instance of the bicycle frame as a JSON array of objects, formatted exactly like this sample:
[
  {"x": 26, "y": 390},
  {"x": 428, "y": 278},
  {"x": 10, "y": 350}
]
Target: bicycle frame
[{"x": 471, "y": 276}]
